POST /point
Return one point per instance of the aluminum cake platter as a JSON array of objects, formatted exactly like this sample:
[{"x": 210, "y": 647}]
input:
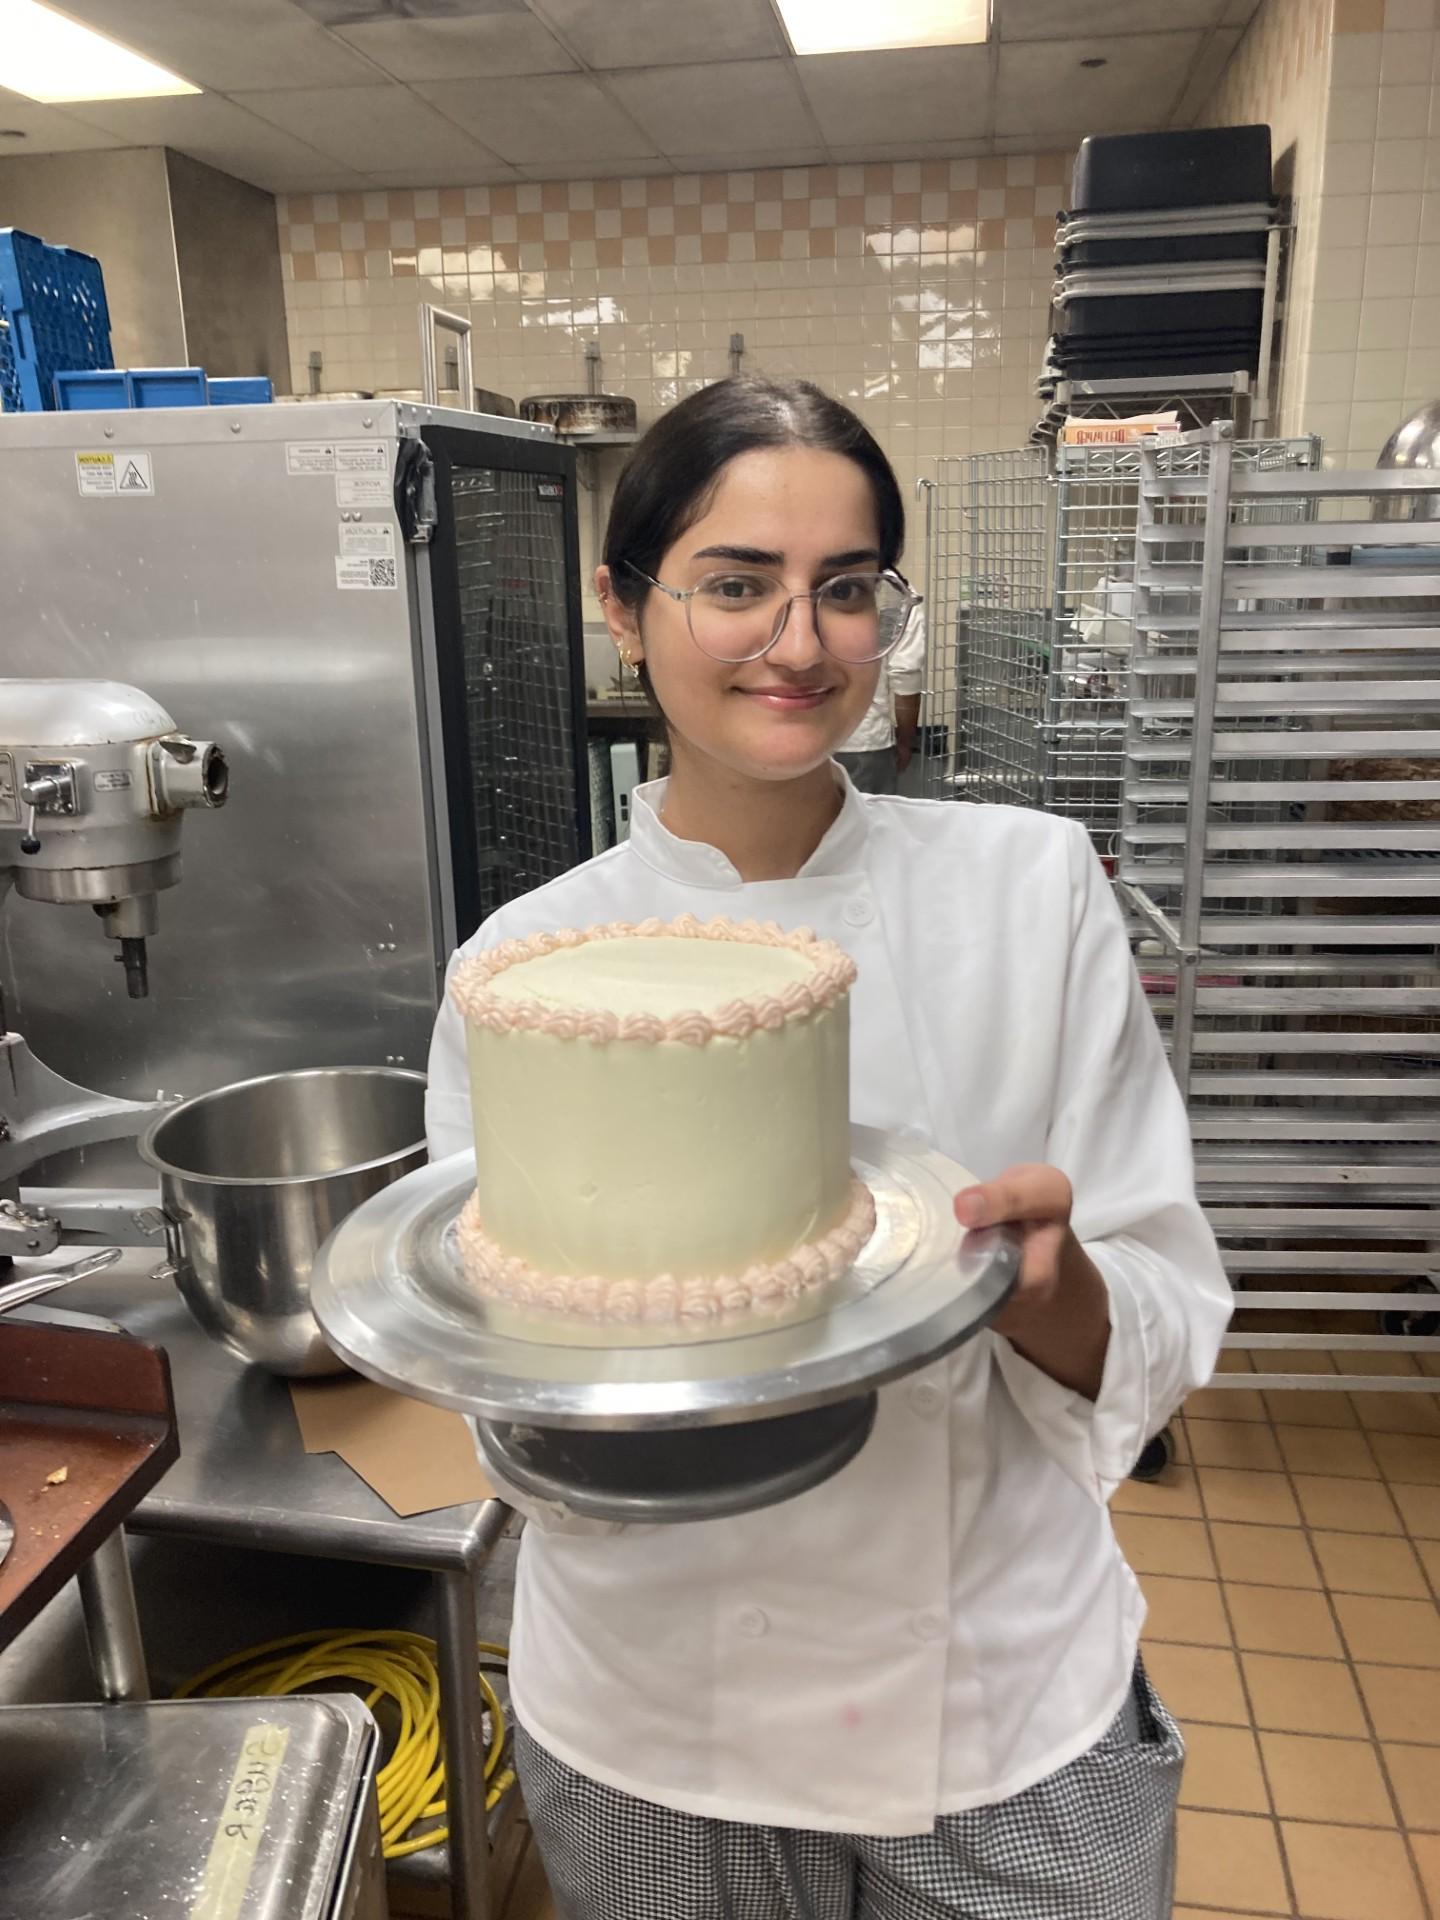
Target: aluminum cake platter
[{"x": 392, "y": 1299}]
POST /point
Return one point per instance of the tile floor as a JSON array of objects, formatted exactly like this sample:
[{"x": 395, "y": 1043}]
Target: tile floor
[{"x": 1292, "y": 1561}]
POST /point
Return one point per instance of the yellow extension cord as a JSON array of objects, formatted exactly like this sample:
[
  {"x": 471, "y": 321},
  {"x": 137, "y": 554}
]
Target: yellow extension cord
[{"x": 411, "y": 1784}]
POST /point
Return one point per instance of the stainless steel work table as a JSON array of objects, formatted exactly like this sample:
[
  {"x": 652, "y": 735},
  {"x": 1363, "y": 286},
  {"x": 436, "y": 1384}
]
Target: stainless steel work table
[{"x": 244, "y": 1479}]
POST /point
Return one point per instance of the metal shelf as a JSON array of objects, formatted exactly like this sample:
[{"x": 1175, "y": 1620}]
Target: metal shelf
[{"x": 1312, "y": 1069}]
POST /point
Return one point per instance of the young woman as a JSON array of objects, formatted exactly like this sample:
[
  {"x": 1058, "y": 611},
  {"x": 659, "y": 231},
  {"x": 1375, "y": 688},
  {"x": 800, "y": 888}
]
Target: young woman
[{"x": 913, "y": 1691}]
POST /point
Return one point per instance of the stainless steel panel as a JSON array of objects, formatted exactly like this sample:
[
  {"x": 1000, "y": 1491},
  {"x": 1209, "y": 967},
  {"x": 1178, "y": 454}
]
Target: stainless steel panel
[
  {"x": 307, "y": 930},
  {"x": 263, "y": 1797},
  {"x": 301, "y": 933}
]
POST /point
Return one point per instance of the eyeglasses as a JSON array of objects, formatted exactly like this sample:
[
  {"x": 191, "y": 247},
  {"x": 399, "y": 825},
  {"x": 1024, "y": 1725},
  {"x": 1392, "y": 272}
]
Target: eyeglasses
[{"x": 739, "y": 615}]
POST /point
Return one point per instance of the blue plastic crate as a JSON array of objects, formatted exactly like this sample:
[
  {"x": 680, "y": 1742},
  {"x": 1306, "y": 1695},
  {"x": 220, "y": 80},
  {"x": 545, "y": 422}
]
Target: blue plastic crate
[
  {"x": 91, "y": 391},
  {"x": 241, "y": 390},
  {"x": 52, "y": 300},
  {"x": 167, "y": 386}
]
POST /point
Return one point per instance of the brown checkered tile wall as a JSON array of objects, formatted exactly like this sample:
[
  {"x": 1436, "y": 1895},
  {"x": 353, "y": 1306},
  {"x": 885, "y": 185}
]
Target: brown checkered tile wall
[{"x": 918, "y": 291}]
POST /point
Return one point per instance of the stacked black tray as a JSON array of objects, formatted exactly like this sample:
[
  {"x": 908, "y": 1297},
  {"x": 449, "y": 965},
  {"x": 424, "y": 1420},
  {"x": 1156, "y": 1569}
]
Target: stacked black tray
[{"x": 1161, "y": 262}]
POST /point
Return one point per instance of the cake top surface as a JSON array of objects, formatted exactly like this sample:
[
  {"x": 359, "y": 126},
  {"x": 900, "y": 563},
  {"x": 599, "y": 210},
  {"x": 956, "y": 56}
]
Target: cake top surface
[
  {"x": 683, "y": 979},
  {"x": 659, "y": 976}
]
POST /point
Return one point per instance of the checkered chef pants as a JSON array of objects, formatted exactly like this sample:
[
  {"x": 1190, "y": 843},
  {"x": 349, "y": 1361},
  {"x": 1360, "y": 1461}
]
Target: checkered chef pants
[{"x": 1095, "y": 1841}]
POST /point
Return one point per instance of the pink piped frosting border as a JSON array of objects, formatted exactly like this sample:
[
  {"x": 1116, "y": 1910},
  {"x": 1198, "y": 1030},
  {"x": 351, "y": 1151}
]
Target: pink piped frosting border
[
  {"x": 832, "y": 974},
  {"x": 765, "y": 1287}
]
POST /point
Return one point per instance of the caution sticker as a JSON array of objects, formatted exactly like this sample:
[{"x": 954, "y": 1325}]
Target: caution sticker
[
  {"x": 115, "y": 476},
  {"x": 309, "y": 456},
  {"x": 368, "y": 539},
  {"x": 362, "y": 473}
]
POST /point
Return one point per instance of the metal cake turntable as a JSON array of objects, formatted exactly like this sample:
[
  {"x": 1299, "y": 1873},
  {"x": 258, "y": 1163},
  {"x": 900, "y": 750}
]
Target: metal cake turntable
[{"x": 650, "y": 1423}]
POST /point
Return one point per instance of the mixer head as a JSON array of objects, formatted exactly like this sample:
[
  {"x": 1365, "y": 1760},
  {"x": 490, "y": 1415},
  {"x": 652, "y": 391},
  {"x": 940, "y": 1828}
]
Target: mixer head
[{"x": 94, "y": 779}]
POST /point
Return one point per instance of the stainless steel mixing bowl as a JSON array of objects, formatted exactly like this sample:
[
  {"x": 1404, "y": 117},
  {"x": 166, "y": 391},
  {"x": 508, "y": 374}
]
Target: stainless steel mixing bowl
[{"x": 252, "y": 1179}]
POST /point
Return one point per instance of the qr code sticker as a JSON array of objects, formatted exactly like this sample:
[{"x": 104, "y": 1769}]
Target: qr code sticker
[{"x": 357, "y": 572}]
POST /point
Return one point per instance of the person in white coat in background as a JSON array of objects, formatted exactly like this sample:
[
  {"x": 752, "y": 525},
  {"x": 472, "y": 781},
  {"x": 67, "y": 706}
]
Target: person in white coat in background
[
  {"x": 915, "y": 1690},
  {"x": 883, "y": 745}
]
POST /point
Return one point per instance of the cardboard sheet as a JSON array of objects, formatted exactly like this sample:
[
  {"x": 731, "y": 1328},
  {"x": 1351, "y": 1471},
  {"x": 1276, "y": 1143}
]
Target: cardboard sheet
[{"x": 415, "y": 1456}]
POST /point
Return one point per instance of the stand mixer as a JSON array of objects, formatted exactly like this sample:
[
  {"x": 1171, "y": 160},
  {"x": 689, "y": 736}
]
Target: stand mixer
[{"x": 94, "y": 780}]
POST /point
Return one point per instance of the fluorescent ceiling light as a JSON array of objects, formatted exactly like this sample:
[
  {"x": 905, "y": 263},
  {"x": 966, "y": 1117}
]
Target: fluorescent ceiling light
[
  {"x": 855, "y": 26},
  {"x": 47, "y": 57}
]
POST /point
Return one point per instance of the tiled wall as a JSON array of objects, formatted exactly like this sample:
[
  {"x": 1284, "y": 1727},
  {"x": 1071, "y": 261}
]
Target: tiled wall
[
  {"x": 1352, "y": 91},
  {"x": 1279, "y": 75},
  {"x": 917, "y": 291},
  {"x": 1374, "y": 346}
]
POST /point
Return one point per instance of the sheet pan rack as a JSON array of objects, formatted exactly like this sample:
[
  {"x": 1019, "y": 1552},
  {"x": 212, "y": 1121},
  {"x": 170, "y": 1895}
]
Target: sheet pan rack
[{"x": 1280, "y": 842}]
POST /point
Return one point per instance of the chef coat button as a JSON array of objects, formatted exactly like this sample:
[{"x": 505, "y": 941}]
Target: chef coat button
[
  {"x": 857, "y": 913},
  {"x": 930, "y": 1626},
  {"x": 752, "y": 1622},
  {"x": 926, "y": 1398}
]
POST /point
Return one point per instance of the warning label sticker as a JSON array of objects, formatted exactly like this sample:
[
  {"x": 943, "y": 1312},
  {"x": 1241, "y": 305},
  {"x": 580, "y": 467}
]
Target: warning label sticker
[
  {"x": 370, "y": 540},
  {"x": 362, "y": 473},
  {"x": 309, "y": 456},
  {"x": 115, "y": 475},
  {"x": 364, "y": 574}
]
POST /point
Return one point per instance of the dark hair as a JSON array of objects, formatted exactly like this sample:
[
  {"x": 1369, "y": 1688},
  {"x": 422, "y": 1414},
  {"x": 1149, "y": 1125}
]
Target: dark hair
[{"x": 672, "y": 475}]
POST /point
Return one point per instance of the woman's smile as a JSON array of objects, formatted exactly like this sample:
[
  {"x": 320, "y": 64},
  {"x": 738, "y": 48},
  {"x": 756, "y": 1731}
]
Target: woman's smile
[{"x": 783, "y": 697}]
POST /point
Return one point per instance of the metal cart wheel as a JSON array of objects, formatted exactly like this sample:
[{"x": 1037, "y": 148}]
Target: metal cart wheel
[
  {"x": 1417, "y": 1321},
  {"x": 1155, "y": 1456}
]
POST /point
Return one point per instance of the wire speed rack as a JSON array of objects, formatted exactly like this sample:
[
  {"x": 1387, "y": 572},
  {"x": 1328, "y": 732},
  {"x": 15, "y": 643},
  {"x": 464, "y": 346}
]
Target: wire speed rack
[
  {"x": 1030, "y": 575},
  {"x": 1280, "y": 840},
  {"x": 987, "y": 541}
]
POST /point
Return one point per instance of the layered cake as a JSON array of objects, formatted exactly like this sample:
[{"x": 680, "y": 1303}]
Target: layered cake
[{"x": 662, "y": 1120}]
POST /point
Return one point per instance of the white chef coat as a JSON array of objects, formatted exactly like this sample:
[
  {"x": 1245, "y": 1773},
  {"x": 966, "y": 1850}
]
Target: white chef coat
[
  {"x": 948, "y": 1619},
  {"x": 901, "y": 672}
]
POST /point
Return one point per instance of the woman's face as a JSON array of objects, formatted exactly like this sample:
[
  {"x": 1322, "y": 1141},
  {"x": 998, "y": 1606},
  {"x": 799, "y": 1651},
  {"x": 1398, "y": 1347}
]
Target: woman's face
[{"x": 803, "y": 516}]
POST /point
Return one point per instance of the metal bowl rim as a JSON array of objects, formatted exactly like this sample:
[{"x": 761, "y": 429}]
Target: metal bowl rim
[{"x": 152, "y": 1158}]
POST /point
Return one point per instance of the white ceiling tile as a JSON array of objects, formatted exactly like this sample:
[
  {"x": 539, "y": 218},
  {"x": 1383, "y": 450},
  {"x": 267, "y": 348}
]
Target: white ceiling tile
[
  {"x": 630, "y": 169},
  {"x": 371, "y": 129},
  {"x": 553, "y": 119},
  {"x": 484, "y": 173},
  {"x": 349, "y": 13},
  {"x": 231, "y": 45},
  {"x": 478, "y": 47},
  {"x": 1088, "y": 19},
  {"x": 321, "y": 177},
  {"x": 46, "y": 130},
  {"x": 1043, "y": 90},
  {"x": 716, "y": 108},
  {"x": 911, "y": 150},
  {"x": 1210, "y": 63},
  {"x": 929, "y": 93},
  {"x": 612, "y": 33},
  {"x": 1020, "y": 143},
  {"x": 215, "y": 130},
  {"x": 1239, "y": 13},
  {"x": 746, "y": 159}
]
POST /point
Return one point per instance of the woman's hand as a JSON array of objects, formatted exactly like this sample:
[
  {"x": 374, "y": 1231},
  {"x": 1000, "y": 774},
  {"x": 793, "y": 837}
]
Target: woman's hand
[{"x": 1058, "y": 1317}]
